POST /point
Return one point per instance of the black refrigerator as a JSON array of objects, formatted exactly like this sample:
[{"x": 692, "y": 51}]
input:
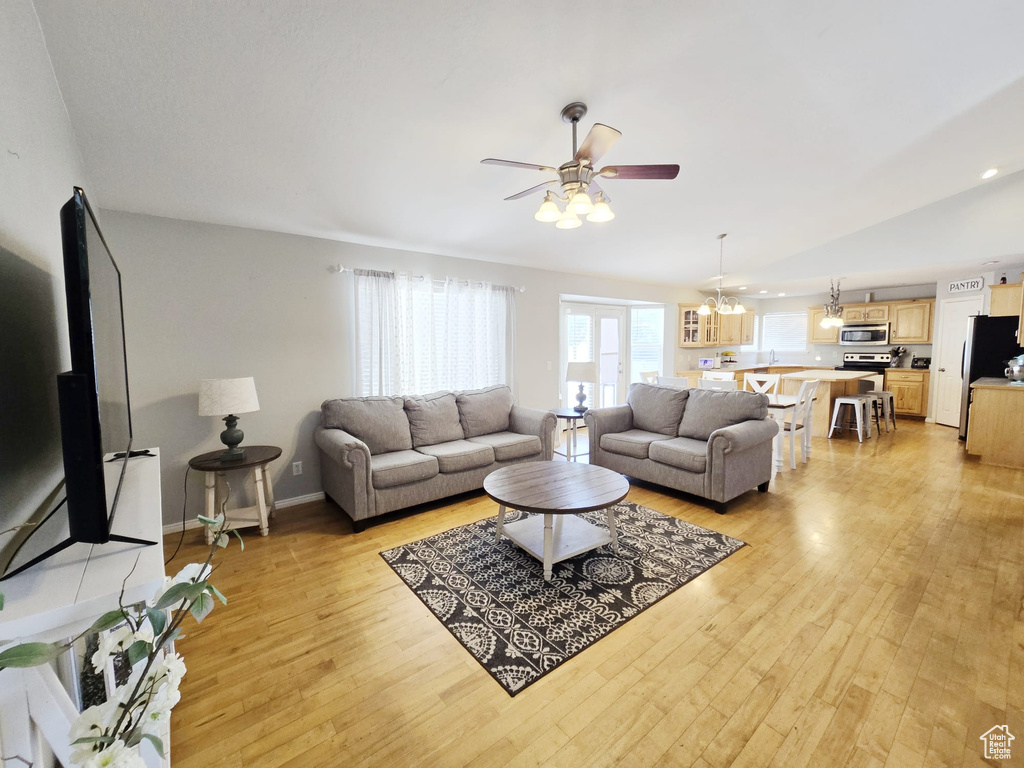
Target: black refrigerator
[{"x": 991, "y": 341}]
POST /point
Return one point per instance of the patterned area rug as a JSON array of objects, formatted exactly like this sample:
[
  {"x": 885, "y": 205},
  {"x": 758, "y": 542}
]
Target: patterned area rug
[{"x": 493, "y": 597}]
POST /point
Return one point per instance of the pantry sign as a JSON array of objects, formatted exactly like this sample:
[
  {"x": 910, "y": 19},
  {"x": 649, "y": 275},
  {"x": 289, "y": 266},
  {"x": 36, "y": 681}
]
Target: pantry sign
[{"x": 968, "y": 285}]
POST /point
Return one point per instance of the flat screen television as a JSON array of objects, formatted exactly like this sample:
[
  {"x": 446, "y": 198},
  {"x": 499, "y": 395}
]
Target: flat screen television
[{"x": 95, "y": 413}]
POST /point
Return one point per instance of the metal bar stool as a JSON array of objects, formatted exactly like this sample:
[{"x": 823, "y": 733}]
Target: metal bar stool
[{"x": 859, "y": 403}]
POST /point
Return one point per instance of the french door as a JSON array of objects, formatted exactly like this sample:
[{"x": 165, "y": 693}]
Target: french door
[{"x": 599, "y": 334}]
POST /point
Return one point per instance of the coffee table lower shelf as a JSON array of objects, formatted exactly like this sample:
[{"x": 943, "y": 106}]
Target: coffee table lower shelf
[{"x": 567, "y": 536}]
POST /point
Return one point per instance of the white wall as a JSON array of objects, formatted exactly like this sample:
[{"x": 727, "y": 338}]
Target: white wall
[
  {"x": 39, "y": 165},
  {"x": 210, "y": 301}
]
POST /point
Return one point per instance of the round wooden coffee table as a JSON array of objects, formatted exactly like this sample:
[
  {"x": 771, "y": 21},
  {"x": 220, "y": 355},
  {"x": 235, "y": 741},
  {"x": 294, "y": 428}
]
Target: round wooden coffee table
[{"x": 562, "y": 489}]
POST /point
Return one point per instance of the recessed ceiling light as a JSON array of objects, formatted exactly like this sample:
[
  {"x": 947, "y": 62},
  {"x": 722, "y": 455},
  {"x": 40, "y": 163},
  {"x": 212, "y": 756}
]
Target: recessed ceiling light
[
  {"x": 717, "y": 277},
  {"x": 762, "y": 291},
  {"x": 782, "y": 294},
  {"x": 990, "y": 173},
  {"x": 742, "y": 288},
  {"x": 990, "y": 262}
]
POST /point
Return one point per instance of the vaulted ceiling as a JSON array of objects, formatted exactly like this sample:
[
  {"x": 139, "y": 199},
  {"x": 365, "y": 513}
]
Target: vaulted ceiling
[{"x": 795, "y": 123}]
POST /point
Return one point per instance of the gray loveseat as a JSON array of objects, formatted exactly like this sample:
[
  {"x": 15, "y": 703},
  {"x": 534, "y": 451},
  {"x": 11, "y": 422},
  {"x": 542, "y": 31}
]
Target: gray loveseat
[
  {"x": 379, "y": 454},
  {"x": 712, "y": 443}
]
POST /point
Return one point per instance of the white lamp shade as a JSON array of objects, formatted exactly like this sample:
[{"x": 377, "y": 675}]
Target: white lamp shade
[
  {"x": 581, "y": 203},
  {"x": 582, "y": 372},
  {"x": 602, "y": 211},
  {"x": 568, "y": 220},
  {"x": 548, "y": 211},
  {"x": 220, "y": 397}
]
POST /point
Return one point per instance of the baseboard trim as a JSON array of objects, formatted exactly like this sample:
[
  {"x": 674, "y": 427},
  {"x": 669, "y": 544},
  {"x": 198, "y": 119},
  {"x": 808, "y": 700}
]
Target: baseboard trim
[{"x": 279, "y": 504}]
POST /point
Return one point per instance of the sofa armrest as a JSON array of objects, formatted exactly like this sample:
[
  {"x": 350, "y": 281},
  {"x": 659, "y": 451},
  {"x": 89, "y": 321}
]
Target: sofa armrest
[
  {"x": 345, "y": 471},
  {"x": 533, "y": 421},
  {"x": 739, "y": 437},
  {"x": 603, "y": 421}
]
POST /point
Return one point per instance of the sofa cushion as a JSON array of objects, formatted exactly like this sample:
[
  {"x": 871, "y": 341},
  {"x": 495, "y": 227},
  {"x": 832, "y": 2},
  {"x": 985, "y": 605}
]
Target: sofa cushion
[
  {"x": 510, "y": 445},
  {"x": 656, "y": 409},
  {"x": 380, "y": 422},
  {"x": 400, "y": 467},
  {"x": 459, "y": 455},
  {"x": 632, "y": 442},
  {"x": 433, "y": 418},
  {"x": 484, "y": 411},
  {"x": 711, "y": 409},
  {"x": 681, "y": 452}
]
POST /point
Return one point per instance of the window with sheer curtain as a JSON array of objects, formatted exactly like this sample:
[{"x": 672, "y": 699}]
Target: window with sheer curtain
[{"x": 416, "y": 335}]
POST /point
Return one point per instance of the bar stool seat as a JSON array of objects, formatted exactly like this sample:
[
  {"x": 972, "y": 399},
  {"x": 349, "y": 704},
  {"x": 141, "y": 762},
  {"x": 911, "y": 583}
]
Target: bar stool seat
[{"x": 859, "y": 403}]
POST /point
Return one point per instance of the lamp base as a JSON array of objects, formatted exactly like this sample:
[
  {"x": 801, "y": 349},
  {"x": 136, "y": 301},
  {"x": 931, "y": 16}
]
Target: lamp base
[
  {"x": 580, "y": 399},
  {"x": 232, "y": 437}
]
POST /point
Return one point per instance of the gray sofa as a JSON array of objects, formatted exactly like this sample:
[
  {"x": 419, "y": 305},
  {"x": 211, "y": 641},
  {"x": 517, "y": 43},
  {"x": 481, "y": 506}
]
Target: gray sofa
[
  {"x": 379, "y": 454},
  {"x": 712, "y": 443}
]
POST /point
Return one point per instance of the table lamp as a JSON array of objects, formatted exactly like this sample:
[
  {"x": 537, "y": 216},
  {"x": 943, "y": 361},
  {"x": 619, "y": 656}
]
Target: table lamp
[
  {"x": 583, "y": 373},
  {"x": 227, "y": 397}
]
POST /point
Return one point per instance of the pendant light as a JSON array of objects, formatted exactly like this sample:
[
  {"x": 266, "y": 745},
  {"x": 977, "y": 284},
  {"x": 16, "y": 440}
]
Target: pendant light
[
  {"x": 833, "y": 312},
  {"x": 728, "y": 305}
]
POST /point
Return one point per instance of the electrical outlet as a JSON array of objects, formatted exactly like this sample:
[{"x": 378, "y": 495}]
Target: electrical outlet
[{"x": 296, "y": 467}]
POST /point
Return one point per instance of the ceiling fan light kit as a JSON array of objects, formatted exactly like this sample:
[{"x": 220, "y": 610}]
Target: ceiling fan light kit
[
  {"x": 581, "y": 193},
  {"x": 723, "y": 305}
]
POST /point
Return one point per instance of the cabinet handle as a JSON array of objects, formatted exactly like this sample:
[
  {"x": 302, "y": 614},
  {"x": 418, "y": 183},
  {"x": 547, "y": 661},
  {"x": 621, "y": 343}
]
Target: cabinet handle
[{"x": 942, "y": 370}]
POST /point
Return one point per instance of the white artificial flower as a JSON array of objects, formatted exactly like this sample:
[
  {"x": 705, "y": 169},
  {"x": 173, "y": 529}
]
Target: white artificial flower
[
  {"x": 192, "y": 572},
  {"x": 144, "y": 632},
  {"x": 114, "y": 641},
  {"x": 173, "y": 665},
  {"x": 117, "y": 755},
  {"x": 93, "y": 722}
]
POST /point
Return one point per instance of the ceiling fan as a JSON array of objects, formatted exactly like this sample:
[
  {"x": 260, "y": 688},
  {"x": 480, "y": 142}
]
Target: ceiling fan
[{"x": 578, "y": 177}]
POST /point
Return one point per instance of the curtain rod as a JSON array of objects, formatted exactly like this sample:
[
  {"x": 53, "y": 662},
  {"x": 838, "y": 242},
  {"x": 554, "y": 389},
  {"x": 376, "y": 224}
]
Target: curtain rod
[{"x": 337, "y": 269}]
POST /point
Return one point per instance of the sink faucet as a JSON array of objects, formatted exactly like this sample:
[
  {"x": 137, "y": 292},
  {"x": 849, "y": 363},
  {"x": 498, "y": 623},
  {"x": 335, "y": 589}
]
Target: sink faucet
[{"x": 772, "y": 359}]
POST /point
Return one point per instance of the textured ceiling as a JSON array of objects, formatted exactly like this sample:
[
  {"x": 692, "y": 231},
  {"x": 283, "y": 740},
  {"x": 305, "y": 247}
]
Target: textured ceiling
[{"x": 794, "y": 123}]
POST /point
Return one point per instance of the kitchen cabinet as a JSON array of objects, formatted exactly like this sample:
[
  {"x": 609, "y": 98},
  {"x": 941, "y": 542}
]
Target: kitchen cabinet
[
  {"x": 1020, "y": 322},
  {"x": 696, "y": 330},
  {"x": 730, "y": 329},
  {"x": 911, "y": 322},
  {"x": 1005, "y": 300},
  {"x": 909, "y": 391},
  {"x": 747, "y": 328},
  {"x": 866, "y": 313},
  {"x": 815, "y": 333}
]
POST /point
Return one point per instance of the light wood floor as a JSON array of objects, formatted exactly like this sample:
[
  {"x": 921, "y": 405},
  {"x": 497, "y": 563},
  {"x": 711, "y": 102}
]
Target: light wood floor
[{"x": 874, "y": 620}]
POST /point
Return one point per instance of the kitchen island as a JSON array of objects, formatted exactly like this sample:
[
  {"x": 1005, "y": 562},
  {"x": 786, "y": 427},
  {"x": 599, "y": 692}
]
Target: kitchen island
[
  {"x": 833, "y": 384},
  {"x": 995, "y": 430}
]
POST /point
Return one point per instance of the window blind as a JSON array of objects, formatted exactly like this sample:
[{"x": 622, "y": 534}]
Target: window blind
[{"x": 785, "y": 331}]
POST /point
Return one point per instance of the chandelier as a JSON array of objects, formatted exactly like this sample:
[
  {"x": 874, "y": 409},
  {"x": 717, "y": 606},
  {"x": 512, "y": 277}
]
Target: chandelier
[
  {"x": 833, "y": 312},
  {"x": 728, "y": 305}
]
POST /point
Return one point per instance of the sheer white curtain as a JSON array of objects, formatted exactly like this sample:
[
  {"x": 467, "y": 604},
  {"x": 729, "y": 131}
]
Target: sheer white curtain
[
  {"x": 426, "y": 335},
  {"x": 376, "y": 336}
]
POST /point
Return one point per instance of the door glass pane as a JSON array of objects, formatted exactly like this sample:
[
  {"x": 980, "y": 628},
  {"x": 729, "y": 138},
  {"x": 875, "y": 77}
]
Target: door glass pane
[
  {"x": 609, "y": 361},
  {"x": 646, "y": 344},
  {"x": 580, "y": 333}
]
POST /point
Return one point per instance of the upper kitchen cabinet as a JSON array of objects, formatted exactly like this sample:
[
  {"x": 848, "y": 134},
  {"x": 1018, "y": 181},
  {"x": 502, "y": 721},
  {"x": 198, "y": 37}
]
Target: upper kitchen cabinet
[
  {"x": 736, "y": 330},
  {"x": 815, "y": 333},
  {"x": 1005, "y": 300},
  {"x": 696, "y": 330},
  {"x": 866, "y": 313},
  {"x": 911, "y": 321}
]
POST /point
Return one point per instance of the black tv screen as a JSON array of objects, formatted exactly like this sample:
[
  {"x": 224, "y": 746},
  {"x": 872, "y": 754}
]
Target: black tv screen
[{"x": 94, "y": 407}]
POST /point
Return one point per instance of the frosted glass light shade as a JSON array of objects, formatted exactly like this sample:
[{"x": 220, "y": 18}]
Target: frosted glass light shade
[
  {"x": 220, "y": 397},
  {"x": 602, "y": 211},
  {"x": 739, "y": 309},
  {"x": 581, "y": 204},
  {"x": 548, "y": 211},
  {"x": 568, "y": 220},
  {"x": 704, "y": 309}
]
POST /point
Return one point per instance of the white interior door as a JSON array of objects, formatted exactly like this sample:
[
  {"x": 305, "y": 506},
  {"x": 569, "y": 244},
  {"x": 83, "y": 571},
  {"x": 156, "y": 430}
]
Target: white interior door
[
  {"x": 948, "y": 376},
  {"x": 594, "y": 333}
]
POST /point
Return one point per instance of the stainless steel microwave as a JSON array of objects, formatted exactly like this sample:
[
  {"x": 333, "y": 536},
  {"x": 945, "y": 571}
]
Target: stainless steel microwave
[{"x": 864, "y": 335}]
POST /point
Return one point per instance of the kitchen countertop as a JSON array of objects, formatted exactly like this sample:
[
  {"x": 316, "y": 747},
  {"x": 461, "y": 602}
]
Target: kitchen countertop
[
  {"x": 993, "y": 382},
  {"x": 829, "y": 375}
]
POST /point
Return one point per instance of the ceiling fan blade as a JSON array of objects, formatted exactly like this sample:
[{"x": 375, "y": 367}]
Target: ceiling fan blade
[
  {"x": 639, "y": 171},
  {"x": 514, "y": 164},
  {"x": 531, "y": 190},
  {"x": 598, "y": 141}
]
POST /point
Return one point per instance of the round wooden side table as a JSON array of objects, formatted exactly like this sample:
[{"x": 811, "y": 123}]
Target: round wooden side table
[{"x": 256, "y": 459}]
